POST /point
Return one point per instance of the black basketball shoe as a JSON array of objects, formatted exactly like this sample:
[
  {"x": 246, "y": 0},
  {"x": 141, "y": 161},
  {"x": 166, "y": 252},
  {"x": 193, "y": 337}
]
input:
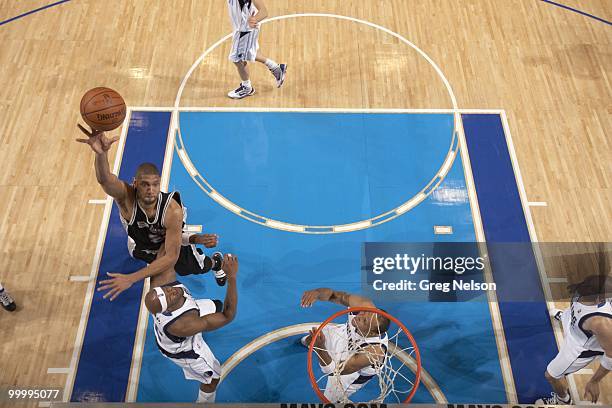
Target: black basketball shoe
[
  {"x": 8, "y": 303},
  {"x": 220, "y": 276}
]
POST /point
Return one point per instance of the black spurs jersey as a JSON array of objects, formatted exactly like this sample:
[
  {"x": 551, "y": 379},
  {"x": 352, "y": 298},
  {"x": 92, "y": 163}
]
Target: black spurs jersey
[{"x": 148, "y": 234}]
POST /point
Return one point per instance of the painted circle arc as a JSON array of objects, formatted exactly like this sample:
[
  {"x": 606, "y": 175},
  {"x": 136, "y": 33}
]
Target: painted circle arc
[{"x": 389, "y": 215}]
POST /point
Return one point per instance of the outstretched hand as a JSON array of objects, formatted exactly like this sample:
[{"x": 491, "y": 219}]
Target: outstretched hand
[
  {"x": 319, "y": 341},
  {"x": 97, "y": 140},
  {"x": 230, "y": 265},
  {"x": 115, "y": 285},
  {"x": 309, "y": 297}
]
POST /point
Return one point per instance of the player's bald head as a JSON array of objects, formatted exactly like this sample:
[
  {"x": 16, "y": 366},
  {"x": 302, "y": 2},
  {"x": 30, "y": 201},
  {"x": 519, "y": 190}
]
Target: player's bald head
[
  {"x": 146, "y": 169},
  {"x": 152, "y": 302}
]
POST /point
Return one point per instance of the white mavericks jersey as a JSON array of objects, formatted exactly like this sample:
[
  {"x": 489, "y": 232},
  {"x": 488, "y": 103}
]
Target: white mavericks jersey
[
  {"x": 341, "y": 342},
  {"x": 357, "y": 341},
  {"x": 573, "y": 320},
  {"x": 240, "y": 11},
  {"x": 176, "y": 347}
]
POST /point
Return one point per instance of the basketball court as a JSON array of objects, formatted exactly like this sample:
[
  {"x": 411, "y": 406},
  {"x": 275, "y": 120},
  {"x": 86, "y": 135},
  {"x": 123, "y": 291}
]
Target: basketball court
[{"x": 421, "y": 123}]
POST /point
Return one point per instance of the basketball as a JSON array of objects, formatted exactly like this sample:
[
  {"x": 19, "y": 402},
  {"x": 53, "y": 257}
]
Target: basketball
[{"x": 103, "y": 109}]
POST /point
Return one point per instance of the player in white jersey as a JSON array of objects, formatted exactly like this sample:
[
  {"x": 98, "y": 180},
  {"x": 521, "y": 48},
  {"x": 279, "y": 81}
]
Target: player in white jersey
[
  {"x": 587, "y": 330},
  {"x": 246, "y": 16},
  {"x": 179, "y": 321},
  {"x": 359, "y": 346}
]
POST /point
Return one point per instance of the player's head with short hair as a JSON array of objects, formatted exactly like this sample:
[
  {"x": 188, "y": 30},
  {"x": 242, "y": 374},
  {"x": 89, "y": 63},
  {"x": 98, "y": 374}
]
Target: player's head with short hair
[
  {"x": 147, "y": 183},
  {"x": 592, "y": 288},
  {"x": 147, "y": 169},
  {"x": 371, "y": 324},
  {"x": 160, "y": 299}
]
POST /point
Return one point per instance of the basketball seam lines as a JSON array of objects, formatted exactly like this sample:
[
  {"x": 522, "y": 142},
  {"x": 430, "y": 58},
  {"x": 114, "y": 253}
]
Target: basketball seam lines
[{"x": 99, "y": 110}]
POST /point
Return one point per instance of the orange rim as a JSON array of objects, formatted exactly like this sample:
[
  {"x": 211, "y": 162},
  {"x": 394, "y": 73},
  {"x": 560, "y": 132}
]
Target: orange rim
[{"x": 417, "y": 355}]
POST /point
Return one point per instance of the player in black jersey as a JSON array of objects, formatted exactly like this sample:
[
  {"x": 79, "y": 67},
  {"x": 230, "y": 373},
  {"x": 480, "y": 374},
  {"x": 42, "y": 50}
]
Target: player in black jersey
[{"x": 154, "y": 222}]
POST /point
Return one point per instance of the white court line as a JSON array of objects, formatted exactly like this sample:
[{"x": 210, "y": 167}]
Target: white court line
[
  {"x": 498, "y": 326},
  {"x": 314, "y": 110},
  {"x": 143, "y": 316},
  {"x": 165, "y": 179},
  {"x": 584, "y": 371},
  {"x": 137, "y": 353},
  {"x": 469, "y": 179},
  {"x": 284, "y": 226},
  {"x": 193, "y": 172},
  {"x": 558, "y": 332},
  {"x": 78, "y": 341},
  {"x": 443, "y": 229},
  {"x": 353, "y": 226},
  {"x": 225, "y": 202},
  {"x": 537, "y": 204},
  {"x": 410, "y": 203},
  {"x": 58, "y": 370},
  {"x": 192, "y": 228},
  {"x": 557, "y": 280},
  {"x": 44, "y": 404},
  {"x": 97, "y": 201},
  {"x": 80, "y": 278}
]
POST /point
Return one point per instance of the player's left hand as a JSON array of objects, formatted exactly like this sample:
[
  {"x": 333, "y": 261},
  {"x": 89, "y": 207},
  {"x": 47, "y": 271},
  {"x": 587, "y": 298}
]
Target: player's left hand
[
  {"x": 591, "y": 391},
  {"x": 252, "y": 22},
  {"x": 319, "y": 341},
  {"x": 115, "y": 285}
]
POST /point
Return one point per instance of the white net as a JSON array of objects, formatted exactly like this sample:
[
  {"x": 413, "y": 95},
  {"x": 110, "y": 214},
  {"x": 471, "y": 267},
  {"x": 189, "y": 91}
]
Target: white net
[{"x": 386, "y": 365}]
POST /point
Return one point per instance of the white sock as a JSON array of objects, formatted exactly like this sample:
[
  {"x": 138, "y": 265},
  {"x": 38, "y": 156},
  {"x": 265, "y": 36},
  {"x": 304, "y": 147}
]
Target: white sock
[
  {"x": 246, "y": 84},
  {"x": 206, "y": 396},
  {"x": 272, "y": 65},
  {"x": 1, "y": 287}
]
